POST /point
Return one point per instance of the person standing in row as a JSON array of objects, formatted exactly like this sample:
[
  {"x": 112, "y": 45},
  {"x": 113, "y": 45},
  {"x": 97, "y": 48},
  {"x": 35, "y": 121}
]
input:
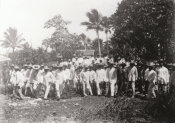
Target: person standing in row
[
  {"x": 48, "y": 79},
  {"x": 132, "y": 76},
  {"x": 163, "y": 77},
  {"x": 152, "y": 79}
]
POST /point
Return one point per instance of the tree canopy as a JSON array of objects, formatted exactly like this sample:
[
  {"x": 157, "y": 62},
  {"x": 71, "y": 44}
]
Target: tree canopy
[{"x": 143, "y": 28}]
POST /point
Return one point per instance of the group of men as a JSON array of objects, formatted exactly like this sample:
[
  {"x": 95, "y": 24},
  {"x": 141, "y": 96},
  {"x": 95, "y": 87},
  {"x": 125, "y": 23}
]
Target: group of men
[{"x": 93, "y": 76}]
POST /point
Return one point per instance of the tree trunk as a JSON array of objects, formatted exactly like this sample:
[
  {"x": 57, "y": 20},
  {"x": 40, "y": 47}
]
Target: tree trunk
[
  {"x": 85, "y": 44},
  {"x": 107, "y": 42},
  {"x": 99, "y": 47}
]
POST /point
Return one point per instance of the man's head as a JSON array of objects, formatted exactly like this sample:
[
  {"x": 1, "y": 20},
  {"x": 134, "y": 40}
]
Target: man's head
[
  {"x": 151, "y": 65},
  {"x": 46, "y": 69},
  {"x": 161, "y": 62}
]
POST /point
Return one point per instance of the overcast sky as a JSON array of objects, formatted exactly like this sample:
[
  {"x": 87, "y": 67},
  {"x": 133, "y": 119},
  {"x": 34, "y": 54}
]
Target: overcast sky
[{"x": 29, "y": 16}]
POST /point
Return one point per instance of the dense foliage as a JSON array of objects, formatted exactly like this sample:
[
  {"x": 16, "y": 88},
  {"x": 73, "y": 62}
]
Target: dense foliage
[{"x": 143, "y": 28}]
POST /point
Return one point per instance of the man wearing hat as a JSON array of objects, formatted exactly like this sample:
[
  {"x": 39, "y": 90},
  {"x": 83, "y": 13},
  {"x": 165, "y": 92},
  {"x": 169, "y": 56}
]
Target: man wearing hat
[
  {"x": 92, "y": 78},
  {"x": 59, "y": 81},
  {"x": 27, "y": 77},
  {"x": 132, "y": 76},
  {"x": 163, "y": 77},
  {"x": 33, "y": 79},
  {"x": 152, "y": 79},
  {"x": 48, "y": 79},
  {"x": 100, "y": 79},
  {"x": 85, "y": 81},
  {"x": 18, "y": 81}
]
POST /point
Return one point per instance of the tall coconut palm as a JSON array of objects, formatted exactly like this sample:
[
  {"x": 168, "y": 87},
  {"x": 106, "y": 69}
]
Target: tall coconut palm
[
  {"x": 94, "y": 23},
  {"x": 106, "y": 23},
  {"x": 12, "y": 39}
]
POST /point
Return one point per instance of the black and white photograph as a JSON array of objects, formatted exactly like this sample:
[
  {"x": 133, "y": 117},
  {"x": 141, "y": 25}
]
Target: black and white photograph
[{"x": 87, "y": 61}]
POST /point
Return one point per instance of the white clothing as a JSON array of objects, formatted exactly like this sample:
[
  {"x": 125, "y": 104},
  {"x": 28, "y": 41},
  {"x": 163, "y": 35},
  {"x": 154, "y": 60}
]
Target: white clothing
[
  {"x": 19, "y": 79},
  {"x": 146, "y": 74},
  {"x": 100, "y": 75},
  {"x": 152, "y": 76},
  {"x": 92, "y": 76},
  {"x": 113, "y": 75},
  {"x": 133, "y": 74},
  {"x": 163, "y": 75},
  {"x": 48, "y": 78}
]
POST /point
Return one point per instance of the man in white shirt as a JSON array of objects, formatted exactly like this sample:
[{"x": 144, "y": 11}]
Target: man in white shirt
[
  {"x": 59, "y": 82},
  {"x": 92, "y": 79},
  {"x": 152, "y": 78},
  {"x": 100, "y": 78},
  {"x": 113, "y": 80},
  {"x": 48, "y": 79},
  {"x": 18, "y": 81},
  {"x": 132, "y": 76},
  {"x": 163, "y": 77},
  {"x": 85, "y": 81},
  {"x": 27, "y": 78}
]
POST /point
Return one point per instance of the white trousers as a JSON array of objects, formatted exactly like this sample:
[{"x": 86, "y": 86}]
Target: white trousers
[{"x": 112, "y": 83}]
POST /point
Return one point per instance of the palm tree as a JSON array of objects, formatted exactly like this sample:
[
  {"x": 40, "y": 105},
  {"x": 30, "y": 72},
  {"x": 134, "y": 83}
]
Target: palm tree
[
  {"x": 106, "y": 23},
  {"x": 12, "y": 39},
  {"x": 85, "y": 39},
  {"x": 94, "y": 23}
]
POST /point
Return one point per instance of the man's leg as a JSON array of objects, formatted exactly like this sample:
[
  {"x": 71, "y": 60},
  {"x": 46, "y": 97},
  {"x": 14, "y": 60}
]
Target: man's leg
[
  {"x": 47, "y": 91},
  {"x": 57, "y": 90},
  {"x": 112, "y": 88},
  {"x": 98, "y": 88},
  {"x": 107, "y": 85},
  {"x": 133, "y": 88},
  {"x": 89, "y": 88},
  {"x": 84, "y": 89}
]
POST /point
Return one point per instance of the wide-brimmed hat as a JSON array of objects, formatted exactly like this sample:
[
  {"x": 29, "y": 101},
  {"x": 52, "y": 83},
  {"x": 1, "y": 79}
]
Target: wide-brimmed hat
[
  {"x": 132, "y": 62},
  {"x": 160, "y": 61},
  {"x": 46, "y": 68},
  {"x": 151, "y": 64},
  {"x": 16, "y": 67},
  {"x": 36, "y": 67},
  {"x": 25, "y": 65},
  {"x": 29, "y": 66}
]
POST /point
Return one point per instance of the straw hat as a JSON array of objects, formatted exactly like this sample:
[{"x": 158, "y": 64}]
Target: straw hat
[
  {"x": 16, "y": 67},
  {"x": 36, "y": 67},
  {"x": 46, "y": 68},
  {"x": 151, "y": 64},
  {"x": 29, "y": 66}
]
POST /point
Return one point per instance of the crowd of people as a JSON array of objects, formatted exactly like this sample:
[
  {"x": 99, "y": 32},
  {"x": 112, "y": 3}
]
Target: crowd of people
[{"x": 91, "y": 76}]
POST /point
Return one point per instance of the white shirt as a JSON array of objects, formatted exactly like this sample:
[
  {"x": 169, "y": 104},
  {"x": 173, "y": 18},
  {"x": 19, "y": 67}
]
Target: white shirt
[
  {"x": 113, "y": 75},
  {"x": 163, "y": 75},
  {"x": 146, "y": 74},
  {"x": 48, "y": 78},
  {"x": 59, "y": 77},
  {"x": 40, "y": 76},
  {"x": 92, "y": 75},
  {"x": 133, "y": 74},
  {"x": 152, "y": 76},
  {"x": 100, "y": 75},
  {"x": 19, "y": 78}
]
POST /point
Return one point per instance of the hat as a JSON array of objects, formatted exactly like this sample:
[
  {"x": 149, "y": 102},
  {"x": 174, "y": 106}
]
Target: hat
[
  {"x": 161, "y": 60},
  {"x": 25, "y": 65},
  {"x": 36, "y": 67},
  {"x": 46, "y": 68},
  {"x": 29, "y": 66},
  {"x": 151, "y": 64},
  {"x": 16, "y": 67}
]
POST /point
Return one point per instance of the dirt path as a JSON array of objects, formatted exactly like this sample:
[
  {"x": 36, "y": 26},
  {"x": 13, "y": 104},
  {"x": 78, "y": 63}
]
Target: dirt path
[{"x": 73, "y": 110}]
